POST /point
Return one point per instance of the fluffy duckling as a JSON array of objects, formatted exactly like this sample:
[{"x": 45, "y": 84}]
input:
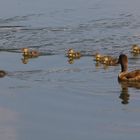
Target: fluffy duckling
[
  {"x": 98, "y": 57},
  {"x": 124, "y": 75},
  {"x": 109, "y": 60},
  {"x": 29, "y": 53},
  {"x": 2, "y": 73},
  {"x": 135, "y": 49},
  {"x": 72, "y": 54},
  {"x": 105, "y": 59}
]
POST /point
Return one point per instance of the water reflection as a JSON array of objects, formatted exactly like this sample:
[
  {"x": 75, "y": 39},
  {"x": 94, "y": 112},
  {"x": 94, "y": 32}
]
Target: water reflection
[
  {"x": 124, "y": 95},
  {"x": 98, "y": 65},
  {"x": 26, "y": 59},
  {"x": 72, "y": 60}
]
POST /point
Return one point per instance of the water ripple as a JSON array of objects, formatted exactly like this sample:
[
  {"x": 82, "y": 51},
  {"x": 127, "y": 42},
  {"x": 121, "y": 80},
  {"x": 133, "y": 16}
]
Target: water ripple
[{"x": 105, "y": 35}]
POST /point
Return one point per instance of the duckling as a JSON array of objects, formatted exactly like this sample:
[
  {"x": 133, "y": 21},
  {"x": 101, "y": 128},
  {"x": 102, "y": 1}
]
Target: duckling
[
  {"x": 25, "y": 51},
  {"x": 98, "y": 57},
  {"x": 109, "y": 60},
  {"x": 29, "y": 53},
  {"x": 124, "y": 75},
  {"x": 2, "y": 73},
  {"x": 72, "y": 54},
  {"x": 135, "y": 49},
  {"x": 105, "y": 59}
]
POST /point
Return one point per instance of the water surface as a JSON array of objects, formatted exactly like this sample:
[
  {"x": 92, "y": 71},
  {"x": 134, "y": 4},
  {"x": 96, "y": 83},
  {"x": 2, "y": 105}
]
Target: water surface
[{"x": 49, "y": 98}]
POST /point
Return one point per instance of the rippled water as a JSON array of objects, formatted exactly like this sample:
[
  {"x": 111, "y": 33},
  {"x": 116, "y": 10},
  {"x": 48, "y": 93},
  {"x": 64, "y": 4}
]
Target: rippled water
[{"x": 49, "y": 98}]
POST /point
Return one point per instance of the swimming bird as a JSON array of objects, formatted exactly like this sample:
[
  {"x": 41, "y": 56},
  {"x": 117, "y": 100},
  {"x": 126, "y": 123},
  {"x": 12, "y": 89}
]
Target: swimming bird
[
  {"x": 73, "y": 54},
  {"x": 2, "y": 73},
  {"x": 29, "y": 53},
  {"x": 106, "y": 59},
  {"x": 109, "y": 60},
  {"x": 135, "y": 49},
  {"x": 124, "y": 75},
  {"x": 98, "y": 57}
]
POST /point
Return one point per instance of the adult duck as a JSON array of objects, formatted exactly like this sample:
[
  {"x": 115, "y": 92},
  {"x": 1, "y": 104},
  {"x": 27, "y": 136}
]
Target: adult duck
[{"x": 124, "y": 75}]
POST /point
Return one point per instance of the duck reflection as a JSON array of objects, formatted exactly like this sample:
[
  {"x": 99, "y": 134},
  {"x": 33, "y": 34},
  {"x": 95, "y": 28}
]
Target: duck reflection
[
  {"x": 25, "y": 60},
  {"x": 124, "y": 95},
  {"x": 98, "y": 65},
  {"x": 72, "y": 60}
]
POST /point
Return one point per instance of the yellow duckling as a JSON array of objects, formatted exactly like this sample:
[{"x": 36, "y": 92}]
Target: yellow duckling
[
  {"x": 29, "y": 53},
  {"x": 72, "y": 54},
  {"x": 135, "y": 49},
  {"x": 98, "y": 57},
  {"x": 105, "y": 59},
  {"x": 109, "y": 60}
]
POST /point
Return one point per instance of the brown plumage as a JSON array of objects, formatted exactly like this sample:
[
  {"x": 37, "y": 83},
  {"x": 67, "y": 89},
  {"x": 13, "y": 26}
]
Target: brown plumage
[
  {"x": 2, "y": 73},
  {"x": 124, "y": 75}
]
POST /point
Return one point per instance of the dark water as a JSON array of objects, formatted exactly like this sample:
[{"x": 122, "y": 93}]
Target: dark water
[{"x": 48, "y": 98}]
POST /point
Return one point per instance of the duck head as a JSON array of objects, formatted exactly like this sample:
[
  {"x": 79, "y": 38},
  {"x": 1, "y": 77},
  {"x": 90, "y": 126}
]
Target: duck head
[
  {"x": 123, "y": 61},
  {"x": 2, "y": 73}
]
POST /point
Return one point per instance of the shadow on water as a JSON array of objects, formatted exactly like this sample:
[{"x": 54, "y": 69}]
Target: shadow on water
[{"x": 124, "y": 94}]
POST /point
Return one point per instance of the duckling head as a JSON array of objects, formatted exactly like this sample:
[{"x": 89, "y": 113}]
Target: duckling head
[
  {"x": 25, "y": 51},
  {"x": 105, "y": 60},
  {"x": 135, "y": 48},
  {"x": 98, "y": 57},
  {"x": 70, "y": 53}
]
